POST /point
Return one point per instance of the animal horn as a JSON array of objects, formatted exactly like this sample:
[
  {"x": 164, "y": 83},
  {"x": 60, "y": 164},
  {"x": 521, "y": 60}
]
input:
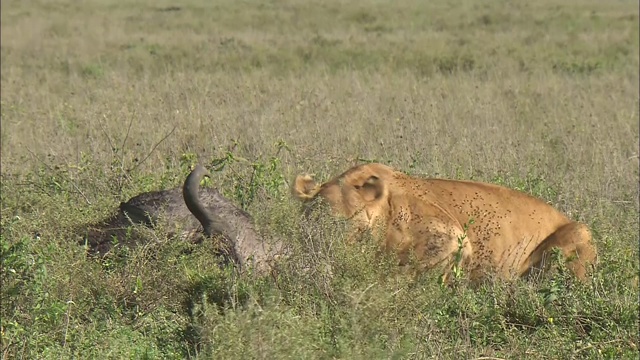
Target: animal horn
[{"x": 190, "y": 193}]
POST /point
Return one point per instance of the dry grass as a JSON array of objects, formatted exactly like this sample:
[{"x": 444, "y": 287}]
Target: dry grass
[{"x": 538, "y": 96}]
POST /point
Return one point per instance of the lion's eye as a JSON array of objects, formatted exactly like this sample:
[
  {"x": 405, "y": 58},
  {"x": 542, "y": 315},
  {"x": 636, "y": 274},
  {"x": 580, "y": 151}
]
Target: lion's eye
[{"x": 357, "y": 187}]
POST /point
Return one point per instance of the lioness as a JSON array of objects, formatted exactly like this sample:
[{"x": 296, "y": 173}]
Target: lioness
[{"x": 510, "y": 234}]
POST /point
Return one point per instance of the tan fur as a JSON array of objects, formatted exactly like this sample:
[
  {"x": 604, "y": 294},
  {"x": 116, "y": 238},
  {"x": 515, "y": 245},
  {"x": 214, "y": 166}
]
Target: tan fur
[{"x": 512, "y": 232}]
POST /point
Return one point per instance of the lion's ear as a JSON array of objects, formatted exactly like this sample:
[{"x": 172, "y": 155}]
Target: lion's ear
[
  {"x": 304, "y": 187},
  {"x": 372, "y": 189}
]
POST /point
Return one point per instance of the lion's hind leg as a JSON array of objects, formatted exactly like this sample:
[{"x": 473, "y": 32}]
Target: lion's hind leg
[{"x": 576, "y": 244}]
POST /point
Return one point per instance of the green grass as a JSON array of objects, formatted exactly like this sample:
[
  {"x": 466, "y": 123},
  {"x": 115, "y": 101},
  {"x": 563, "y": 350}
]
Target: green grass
[{"x": 104, "y": 99}]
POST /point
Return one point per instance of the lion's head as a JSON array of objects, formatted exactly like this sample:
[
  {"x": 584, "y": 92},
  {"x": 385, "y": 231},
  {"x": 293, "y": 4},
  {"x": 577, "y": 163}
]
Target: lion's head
[{"x": 358, "y": 194}]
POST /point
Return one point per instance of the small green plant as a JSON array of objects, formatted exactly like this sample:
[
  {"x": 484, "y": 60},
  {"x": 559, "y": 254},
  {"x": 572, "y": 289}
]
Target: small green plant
[
  {"x": 95, "y": 71},
  {"x": 265, "y": 176},
  {"x": 457, "y": 268},
  {"x": 551, "y": 292},
  {"x": 557, "y": 283}
]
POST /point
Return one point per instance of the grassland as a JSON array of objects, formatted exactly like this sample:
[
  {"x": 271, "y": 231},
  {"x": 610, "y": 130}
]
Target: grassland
[{"x": 104, "y": 99}]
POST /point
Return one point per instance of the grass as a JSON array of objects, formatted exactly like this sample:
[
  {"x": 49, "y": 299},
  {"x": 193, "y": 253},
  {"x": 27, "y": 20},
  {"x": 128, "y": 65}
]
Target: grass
[{"x": 104, "y": 99}]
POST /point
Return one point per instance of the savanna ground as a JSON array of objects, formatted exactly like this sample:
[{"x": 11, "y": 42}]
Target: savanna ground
[{"x": 104, "y": 99}]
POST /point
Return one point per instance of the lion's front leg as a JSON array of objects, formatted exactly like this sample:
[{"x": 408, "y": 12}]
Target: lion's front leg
[{"x": 432, "y": 242}]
